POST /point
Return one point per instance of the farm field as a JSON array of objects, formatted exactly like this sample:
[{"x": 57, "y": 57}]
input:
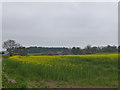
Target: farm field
[
  {"x": 62, "y": 71},
  {"x": 0, "y": 71}
]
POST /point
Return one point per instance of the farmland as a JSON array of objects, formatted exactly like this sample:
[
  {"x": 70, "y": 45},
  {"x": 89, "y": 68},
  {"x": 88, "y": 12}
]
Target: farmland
[{"x": 66, "y": 71}]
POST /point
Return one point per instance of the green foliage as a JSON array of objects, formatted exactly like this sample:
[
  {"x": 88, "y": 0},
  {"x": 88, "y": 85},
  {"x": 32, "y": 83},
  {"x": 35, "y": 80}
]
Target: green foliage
[{"x": 75, "y": 50}]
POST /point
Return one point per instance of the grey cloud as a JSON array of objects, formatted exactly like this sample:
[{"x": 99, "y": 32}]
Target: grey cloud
[{"x": 60, "y": 24}]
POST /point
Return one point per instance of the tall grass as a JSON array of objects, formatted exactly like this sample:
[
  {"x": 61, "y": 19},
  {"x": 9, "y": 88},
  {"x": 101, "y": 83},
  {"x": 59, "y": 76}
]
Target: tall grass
[{"x": 83, "y": 70}]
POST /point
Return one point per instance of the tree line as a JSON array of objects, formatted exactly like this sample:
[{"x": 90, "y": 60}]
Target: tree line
[
  {"x": 74, "y": 50},
  {"x": 15, "y": 48}
]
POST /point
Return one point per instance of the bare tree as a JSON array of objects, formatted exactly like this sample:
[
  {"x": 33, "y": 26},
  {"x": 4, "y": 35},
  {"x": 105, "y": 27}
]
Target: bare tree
[{"x": 9, "y": 45}]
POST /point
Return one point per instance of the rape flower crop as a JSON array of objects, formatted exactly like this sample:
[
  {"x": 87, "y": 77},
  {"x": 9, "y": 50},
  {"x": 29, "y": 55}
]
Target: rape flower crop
[{"x": 91, "y": 70}]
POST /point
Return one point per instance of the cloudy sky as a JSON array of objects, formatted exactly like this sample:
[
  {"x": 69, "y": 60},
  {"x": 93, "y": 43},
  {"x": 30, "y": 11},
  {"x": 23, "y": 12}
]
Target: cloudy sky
[{"x": 61, "y": 24}]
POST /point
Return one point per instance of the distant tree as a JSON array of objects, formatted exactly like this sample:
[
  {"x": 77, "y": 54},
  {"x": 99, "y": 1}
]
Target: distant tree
[
  {"x": 118, "y": 49},
  {"x": 75, "y": 50},
  {"x": 109, "y": 49},
  {"x": 20, "y": 51},
  {"x": 9, "y": 45},
  {"x": 88, "y": 49},
  {"x": 14, "y": 48}
]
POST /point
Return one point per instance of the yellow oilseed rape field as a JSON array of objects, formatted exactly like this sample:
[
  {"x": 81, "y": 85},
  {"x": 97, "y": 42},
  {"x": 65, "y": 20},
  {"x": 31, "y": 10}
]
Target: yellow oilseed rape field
[{"x": 100, "y": 70}]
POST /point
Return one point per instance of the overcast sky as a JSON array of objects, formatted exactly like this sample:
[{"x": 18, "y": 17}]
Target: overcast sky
[{"x": 61, "y": 24}]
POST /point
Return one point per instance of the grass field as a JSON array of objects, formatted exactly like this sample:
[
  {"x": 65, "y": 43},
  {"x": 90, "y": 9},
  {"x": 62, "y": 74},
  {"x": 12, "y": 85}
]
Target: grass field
[
  {"x": 0, "y": 71},
  {"x": 66, "y": 71}
]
